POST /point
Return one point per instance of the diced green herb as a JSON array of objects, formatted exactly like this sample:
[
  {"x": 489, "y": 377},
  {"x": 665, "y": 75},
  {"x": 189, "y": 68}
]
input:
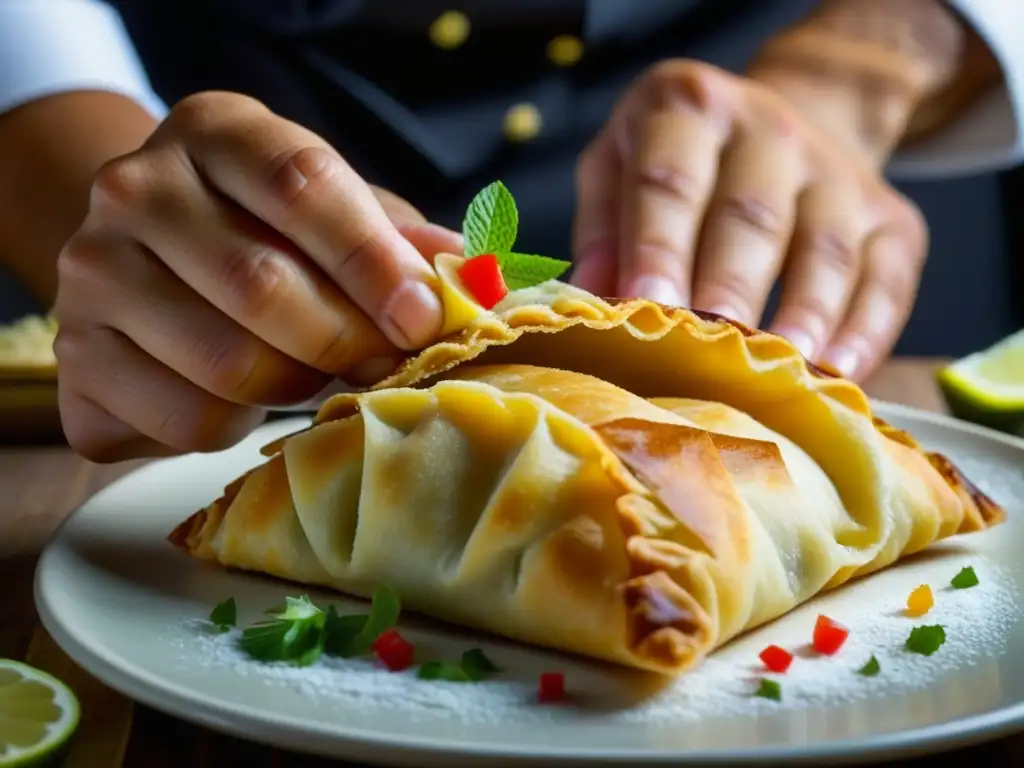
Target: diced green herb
[
  {"x": 341, "y": 631},
  {"x": 926, "y": 640},
  {"x": 295, "y": 635},
  {"x": 224, "y": 615},
  {"x": 871, "y": 668},
  {"x": 353, "y": 635},
  {"x": 966, "y": 579},
  {"x": 443, "y": 670},
  {"x": 476, "y": 664},
  {"x": 769, "y": 689}
]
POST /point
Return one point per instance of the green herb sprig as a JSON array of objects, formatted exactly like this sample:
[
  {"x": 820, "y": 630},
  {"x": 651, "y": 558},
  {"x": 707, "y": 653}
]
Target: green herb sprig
[{"x": 491, "y": 225}]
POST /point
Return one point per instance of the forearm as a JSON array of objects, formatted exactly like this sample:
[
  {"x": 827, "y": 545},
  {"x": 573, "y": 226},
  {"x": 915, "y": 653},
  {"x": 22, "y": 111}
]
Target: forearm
[
  {"x": 49, "y": 151},
  {"x": 876, "y": 73}
]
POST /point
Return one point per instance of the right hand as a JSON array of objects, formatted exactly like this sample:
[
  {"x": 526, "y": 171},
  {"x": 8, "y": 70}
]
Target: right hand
[{"x": 233, "y": 263}]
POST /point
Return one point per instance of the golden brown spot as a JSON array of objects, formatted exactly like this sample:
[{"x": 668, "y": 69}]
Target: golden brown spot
[
  {"x": 990, "y": 512},
  {"x": 681, "y": 467}
]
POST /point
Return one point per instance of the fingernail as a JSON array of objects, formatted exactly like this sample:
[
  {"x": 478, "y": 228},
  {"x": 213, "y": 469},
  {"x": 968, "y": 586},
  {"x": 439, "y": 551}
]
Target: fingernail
[
  {"x": 844, "y": 360},
  {"x": 373, "y": 370},
  {"x": 657, "y": 289},
  {"x": 800, "y": 339},
  {"x": 412, "y": 315}
]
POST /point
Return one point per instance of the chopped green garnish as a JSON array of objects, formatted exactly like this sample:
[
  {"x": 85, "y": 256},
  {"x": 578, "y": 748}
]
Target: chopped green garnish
[
  {"x": 295, "y": 635},
  {"x": 473, "y": 666},
  {"x": 476, "y": 664},
  {"x": 443, "y": 670},
  {"x": 870, "y": 669},
  {"x": 926, "y": 640},
  {"x": 341, "y": 631},
  {"x": 492, "y": 221},
  {"x": 769, "y": 689},
  {"x": 225, "y": 615},
  {"x": 353, "y": 635},
  {"x": 491, "y": 226},
  {"x": 966, "y": 579}
]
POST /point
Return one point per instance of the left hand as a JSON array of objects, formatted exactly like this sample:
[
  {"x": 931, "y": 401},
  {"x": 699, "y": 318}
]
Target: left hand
[{"x": 704, "y": 188}]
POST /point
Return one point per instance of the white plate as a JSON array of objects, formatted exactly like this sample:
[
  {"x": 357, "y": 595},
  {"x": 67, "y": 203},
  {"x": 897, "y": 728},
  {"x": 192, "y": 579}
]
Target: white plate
[{"x": 126, "y": 607}]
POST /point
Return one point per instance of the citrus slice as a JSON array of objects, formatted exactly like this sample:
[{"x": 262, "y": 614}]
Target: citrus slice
[
  {"x": 37, "y": 714},
  {"x": 988, "y": 386}
]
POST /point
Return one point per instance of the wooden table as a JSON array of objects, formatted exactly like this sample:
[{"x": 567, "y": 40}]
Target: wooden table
[{"x": 39, "y": 486}]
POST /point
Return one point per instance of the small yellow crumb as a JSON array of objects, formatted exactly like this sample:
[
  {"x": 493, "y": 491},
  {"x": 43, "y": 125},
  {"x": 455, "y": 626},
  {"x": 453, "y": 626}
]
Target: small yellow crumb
[{"x": 920, "y": 601}]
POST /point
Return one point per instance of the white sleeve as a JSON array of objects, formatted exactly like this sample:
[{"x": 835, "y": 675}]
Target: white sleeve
[
  {"x": 989, "y": 136},
  {"x": 55, "y": 46}
]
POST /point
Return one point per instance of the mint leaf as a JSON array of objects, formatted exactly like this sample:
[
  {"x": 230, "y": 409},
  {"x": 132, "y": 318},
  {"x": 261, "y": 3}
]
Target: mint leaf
[
  {"x": 295, "y": 635},
  {"x": 443, "y": 670},
  {"x": 384, "y": 611},
  {"x": 523, "y": 270},
  {"x": 224, "y": 615},
  {"x": 491, "y": 222}
]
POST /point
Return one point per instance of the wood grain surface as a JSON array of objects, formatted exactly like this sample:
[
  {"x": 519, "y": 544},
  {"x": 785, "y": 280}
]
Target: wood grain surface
[{"x": 39, "y": 486}]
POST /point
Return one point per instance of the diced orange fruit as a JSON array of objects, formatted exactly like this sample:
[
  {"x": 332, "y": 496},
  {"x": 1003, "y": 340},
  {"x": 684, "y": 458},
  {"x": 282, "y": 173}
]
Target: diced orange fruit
[{"x": 920, "y": 601}]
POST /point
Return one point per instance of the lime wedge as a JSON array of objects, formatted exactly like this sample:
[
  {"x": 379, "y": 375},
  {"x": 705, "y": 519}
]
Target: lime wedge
[
  {"x": 37, "y": 714},
  {"x": 988, "y": 386}
]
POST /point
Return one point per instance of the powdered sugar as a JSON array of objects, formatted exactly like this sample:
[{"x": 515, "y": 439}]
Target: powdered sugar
[{"x": 977, "y": 623}]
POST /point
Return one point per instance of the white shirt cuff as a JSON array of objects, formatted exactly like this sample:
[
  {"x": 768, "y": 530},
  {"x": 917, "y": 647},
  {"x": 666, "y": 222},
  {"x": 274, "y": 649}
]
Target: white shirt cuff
[
  {"x": 988, "y": 136},
  {"x": 55, "y": 46}
]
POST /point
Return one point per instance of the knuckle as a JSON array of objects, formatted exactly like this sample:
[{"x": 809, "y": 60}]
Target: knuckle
[
  {"x": 687, "y": 83},
  {"x": 119, "y": 185},
  {"x": 297, "y": 178},
  {"x": 834, "y": 249},
  {"x": 336, "y": 354},
  {"x": 198, "y": 113},
  {"x": 674, "y": 182},
  {"x": 255, "y": 279},
  {"x": 228, "y": 367},
  {"x": 753, "y": 212},
  {"x": 201, "y": 430}
]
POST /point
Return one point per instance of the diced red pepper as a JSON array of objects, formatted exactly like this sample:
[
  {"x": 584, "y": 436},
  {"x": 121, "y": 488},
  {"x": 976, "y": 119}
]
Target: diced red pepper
[
  {"x": 394, "y": 650},
  {"x": 829, "y": 635},
  {"x": 551, "y": 688},
  {"x": 482, "y": 277},
  {"x": 776, "y": 659}
]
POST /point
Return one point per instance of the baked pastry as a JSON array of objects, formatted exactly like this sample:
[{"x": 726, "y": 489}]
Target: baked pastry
[{"x": 516, "y": 478}]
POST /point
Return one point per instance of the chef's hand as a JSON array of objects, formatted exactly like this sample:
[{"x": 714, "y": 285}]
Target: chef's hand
[
  {"x": 233, "y": 263},
  {"x": 705, "y": 187}
]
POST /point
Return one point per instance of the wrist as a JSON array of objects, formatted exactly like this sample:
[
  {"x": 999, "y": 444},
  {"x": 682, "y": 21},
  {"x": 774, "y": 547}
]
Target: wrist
[{"x": 859, "y": 69}]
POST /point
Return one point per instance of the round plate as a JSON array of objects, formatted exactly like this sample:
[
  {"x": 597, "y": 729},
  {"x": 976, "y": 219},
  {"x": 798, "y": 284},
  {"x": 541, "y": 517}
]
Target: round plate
[{"x": 129, "y": 609}]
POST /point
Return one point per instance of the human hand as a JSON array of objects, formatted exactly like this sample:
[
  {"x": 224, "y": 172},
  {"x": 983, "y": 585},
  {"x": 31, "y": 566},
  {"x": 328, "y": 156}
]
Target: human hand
[
  {"x": 235, "y": 262},
  {"x": 704, "y": 188}
]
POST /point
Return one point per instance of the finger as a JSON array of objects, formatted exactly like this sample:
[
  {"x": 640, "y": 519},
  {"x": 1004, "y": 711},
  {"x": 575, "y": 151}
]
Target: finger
[
  {"x": 596, "y": 223},
  {"x": 99, "y": 437},
  {"x": 132, "y": 291},
  {"x": 293, "y": 180},
  {"x": 668, "y": 177},
  {"x": 432, "y": 239},
  {"x": 881, "y": 304},
  {"x": 823, "y": 268},
  {"x": 237, "y": 263},
  {"x": 748, "y": 226},
  {"x": 107, "y": 369}
]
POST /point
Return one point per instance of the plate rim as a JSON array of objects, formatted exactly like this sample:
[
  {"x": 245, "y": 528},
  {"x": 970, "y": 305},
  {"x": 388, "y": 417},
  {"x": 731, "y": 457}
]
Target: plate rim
[{"x": 283, "y": 730}]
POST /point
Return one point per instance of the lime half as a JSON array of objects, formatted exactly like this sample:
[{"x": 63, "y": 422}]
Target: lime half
[
  {"x": 988, "y": 386},
  {"x": 37, "y": 714}
]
